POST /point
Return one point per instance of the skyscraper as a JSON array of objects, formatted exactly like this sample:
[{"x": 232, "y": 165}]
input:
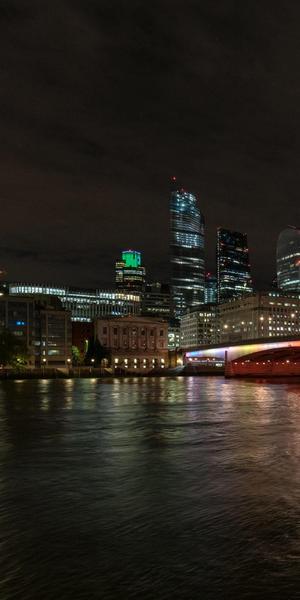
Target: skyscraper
[
  {"x": 210, "y": 295},
  {"x": 233, "y": 268},
  {"x": 156, "y": 300},
  {"x": 130, "y": 274},
  {"x": 288, "y": 259},
  {"x": 186, "y": 249}
]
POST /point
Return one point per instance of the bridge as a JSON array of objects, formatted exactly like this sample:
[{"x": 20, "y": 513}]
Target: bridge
[{"x": 261, "y": 357}]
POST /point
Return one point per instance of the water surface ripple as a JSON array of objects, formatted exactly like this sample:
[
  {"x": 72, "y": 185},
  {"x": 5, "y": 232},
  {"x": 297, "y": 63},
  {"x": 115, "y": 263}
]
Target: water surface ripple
[{"x": 149, "y": 489}]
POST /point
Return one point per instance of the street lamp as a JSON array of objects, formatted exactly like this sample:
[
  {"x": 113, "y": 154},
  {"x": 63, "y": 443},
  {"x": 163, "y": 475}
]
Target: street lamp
[
  {"x": 92, "y": 363},
  {"x": 69, "y": 364},
  {"x": 44, "y": 363}
]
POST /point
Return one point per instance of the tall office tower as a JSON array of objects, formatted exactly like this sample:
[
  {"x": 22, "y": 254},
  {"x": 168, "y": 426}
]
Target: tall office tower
[
  {"x": 156, "y": 300},
  {"x": 186, "y": 250},
  {"x": 233, "y": 268},
  {"x": 130, "y": 274},
  {"x": 288, "y": 259},
  {"x": 210, "y": 294}
]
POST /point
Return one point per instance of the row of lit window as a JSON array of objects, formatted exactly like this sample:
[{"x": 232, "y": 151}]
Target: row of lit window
[
  {"x": 126, "y": 332},
  {"x": 139, "y": 363}
]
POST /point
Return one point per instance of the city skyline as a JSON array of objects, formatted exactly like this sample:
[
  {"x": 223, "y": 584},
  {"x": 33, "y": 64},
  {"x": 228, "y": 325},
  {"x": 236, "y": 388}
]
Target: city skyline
[
  {"x": 149, "y": 299},
  {"x": 111, "y": 283},
  {"x": 85, "y": 168}
]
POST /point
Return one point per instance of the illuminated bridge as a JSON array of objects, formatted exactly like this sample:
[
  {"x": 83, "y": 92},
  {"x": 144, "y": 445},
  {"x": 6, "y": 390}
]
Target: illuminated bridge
[{"x": 279, "y": 357}]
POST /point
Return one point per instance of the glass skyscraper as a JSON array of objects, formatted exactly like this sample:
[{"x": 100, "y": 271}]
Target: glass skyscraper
[
  {"x": 233, "y": 267},
  {"x": 288, "y": 259},
  {"x": 187, "y": 250},
  {"x": 210, "y": 296}
]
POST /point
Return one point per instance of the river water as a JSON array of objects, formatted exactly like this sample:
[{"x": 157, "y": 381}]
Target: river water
[{"x": 150, "y": 489}]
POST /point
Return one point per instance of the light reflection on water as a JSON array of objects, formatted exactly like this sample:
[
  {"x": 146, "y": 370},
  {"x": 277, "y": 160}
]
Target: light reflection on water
[{"x": 149, "y": 488}]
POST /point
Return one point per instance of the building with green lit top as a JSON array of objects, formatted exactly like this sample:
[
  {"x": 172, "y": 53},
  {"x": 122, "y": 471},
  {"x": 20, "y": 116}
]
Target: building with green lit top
[{"x": 130, "y": 274}]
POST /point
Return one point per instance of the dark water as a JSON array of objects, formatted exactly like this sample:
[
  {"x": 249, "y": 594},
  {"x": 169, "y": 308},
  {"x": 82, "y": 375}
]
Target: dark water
[{"x": 163, "y": 488}]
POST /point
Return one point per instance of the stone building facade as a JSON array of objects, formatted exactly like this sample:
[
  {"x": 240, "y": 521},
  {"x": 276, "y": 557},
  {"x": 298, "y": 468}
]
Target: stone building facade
[{"x": 135, "y": 344}]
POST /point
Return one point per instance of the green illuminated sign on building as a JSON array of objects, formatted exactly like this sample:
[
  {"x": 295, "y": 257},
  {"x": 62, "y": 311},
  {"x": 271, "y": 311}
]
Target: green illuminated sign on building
[{"x": 131, "y": 258}]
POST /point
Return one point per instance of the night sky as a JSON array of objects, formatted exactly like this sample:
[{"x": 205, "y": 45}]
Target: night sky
[{"x": 102, "y": 101}]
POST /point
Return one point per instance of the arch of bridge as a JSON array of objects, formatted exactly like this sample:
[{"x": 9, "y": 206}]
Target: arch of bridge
[{"x": 232, "y": 352}]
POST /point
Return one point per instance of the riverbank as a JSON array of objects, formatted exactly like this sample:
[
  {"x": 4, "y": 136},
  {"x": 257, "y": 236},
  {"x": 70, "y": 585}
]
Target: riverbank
[{"x": 93, "y": 372}]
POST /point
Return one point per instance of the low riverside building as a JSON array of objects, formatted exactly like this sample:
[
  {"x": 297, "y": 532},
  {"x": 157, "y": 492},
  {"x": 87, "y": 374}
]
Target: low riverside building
[
  {"x": 53, "y": 335},
  {"x": 43, "y": 326},
  {"x": 199, "y": 327},
  {"x": 261, "y": 315},
  {"x": 85, "y": 305},
  {"x": 135, "y": 344},
  {"x": 17, "y": 314}
]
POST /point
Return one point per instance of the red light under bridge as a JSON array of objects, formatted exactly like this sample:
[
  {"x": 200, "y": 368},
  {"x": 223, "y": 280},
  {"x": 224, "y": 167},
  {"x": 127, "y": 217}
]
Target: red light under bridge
[
  {"x": 255, "y": 358},
  {"x": 281, "y": 362}
]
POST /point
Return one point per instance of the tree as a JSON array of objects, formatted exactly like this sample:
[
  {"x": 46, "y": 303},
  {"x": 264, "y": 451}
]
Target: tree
[
  {"x": 13, "y": 351},
  {"x": 77, "y": 357}
]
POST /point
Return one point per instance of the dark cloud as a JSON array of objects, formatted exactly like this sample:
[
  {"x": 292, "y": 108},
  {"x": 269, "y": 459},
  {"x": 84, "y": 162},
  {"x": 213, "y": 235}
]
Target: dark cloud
[{"x": 102, "y": 101}]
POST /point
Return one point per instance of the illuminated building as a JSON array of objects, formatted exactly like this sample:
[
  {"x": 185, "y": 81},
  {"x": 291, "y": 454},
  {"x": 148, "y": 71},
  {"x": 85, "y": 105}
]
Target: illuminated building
[
  {"x": 130, "y": 274},
  {"x": 174, "y": 334},
  {"x": 18, "y": 316},
  {"x": 135, "y": 344},
  {"x": 210, "y": 294},
  {"x": 156, "y": 300},
  {"x": 186, "y": 250},
  {"x": 85, "y": 305},
  {"x": 233, "y": 268},
  {"x": 53, "y": 335},
  {"x": 43, "y": 326},
  {"x": 199, "y": 327},
  {"x": 261, "y": 315},
  {"x": 288, "y": 259}
]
